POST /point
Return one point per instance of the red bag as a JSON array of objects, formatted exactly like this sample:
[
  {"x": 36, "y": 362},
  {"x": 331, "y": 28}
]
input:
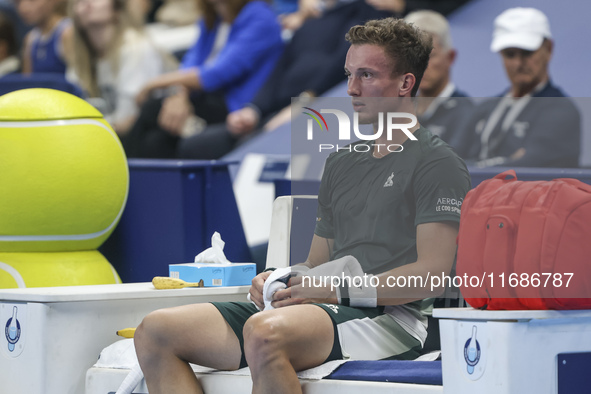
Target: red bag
[{"x": 526, "y": 244}]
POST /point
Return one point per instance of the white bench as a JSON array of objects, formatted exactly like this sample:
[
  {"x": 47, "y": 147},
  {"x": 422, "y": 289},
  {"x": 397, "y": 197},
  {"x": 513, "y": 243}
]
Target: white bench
[
  {"x": 104, "y": 381},
  {"x": 107, "y": 380},
  {"x": 63, "y": 329}
]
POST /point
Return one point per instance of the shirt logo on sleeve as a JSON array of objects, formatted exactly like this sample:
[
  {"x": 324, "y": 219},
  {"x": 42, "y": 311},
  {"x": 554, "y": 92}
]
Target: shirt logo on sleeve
[
  {"x": 389, "y": 181},
  {"x": 449, "y": 205}
]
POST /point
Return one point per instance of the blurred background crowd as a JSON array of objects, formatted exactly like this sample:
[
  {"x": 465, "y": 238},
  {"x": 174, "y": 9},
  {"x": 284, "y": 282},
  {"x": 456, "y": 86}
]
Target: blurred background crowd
[{"x": 195, "y": 79}]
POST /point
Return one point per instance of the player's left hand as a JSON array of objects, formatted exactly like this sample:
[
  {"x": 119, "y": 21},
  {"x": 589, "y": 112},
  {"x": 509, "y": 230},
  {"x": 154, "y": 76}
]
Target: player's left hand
[{"x": 296, "y": 294}]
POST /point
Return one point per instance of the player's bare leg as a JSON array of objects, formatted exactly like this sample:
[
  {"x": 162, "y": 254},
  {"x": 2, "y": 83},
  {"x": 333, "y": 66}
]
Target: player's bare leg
[{"x": 168, "y": 339}]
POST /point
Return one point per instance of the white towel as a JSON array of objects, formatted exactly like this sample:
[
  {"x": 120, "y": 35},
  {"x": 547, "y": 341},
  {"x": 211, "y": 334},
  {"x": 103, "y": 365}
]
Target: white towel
[
  {"x": 121, "y": 355},
  {"x": 347, "y": 266},
  {"x": 275, "y": 282},
  {"x": 131, "y": 381}
]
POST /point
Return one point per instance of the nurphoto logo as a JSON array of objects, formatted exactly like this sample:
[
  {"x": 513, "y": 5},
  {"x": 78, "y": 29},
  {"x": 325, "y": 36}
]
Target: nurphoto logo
[{"x": 392, "y": 120}]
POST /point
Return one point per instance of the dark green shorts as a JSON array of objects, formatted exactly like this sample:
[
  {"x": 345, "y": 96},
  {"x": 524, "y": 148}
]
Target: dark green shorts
[{"x": 360, "y": 333}]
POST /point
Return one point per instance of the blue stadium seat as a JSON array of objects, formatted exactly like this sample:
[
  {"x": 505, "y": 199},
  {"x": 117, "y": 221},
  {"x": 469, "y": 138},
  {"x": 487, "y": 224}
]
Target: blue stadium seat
[{"x": 12, "y": 82}]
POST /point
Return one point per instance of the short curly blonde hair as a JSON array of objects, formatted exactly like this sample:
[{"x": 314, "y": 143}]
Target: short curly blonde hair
[{"x": 407, "y": 46}]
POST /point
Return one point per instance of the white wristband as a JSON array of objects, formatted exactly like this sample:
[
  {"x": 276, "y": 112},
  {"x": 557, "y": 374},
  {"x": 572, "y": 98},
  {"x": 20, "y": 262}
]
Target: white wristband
[
  {"x": 338, "y": 293},
  {"x": 363, "y": 297}
]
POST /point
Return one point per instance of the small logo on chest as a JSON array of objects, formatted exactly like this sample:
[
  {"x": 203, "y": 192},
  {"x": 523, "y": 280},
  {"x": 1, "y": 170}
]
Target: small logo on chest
[{"x": 389, "y": 181}]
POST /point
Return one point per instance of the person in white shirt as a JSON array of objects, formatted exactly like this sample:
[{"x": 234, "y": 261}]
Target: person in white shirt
[{"x": 112, "y": 58}]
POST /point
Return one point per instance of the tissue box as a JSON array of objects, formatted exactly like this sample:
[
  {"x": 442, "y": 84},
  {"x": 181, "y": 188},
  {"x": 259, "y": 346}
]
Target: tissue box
[{"x": 214, "y": 275}]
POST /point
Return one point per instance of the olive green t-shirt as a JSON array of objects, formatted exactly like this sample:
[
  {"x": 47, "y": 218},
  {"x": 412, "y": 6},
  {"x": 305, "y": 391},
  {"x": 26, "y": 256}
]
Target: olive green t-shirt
[{"x": 371, "y": 207}]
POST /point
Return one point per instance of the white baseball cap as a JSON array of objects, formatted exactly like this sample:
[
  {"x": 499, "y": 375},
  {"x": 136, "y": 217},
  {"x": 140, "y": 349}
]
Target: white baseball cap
[{"x": 523, "y": 28}]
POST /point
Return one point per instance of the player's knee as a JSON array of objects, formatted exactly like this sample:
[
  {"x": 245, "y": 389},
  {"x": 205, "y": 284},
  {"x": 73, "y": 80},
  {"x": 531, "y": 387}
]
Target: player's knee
[
  {"x": 152, "y": 331},
  {"x": 263, "y": 338}
]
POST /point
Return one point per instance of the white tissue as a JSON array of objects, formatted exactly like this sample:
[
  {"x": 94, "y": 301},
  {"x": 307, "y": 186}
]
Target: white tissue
[{"x": 215, "y": 253}]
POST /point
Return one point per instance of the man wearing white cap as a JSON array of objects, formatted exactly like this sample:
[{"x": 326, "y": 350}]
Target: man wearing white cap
[{"x": 533, "y": 124}]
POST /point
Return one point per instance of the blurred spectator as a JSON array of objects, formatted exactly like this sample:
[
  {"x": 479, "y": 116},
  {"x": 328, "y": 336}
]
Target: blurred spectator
[
  {"x": 139, "y": 11},
  {"x": 293, "y": 13},
  {"x": 44, "y": 48},
  {"x": 112, "y": 59},
  {"x": 9, "y": 10},
  {"x": 154, "y": 7},
  {"x": 292, "y": 19},
  {"x": 394, "y": 6},
  {"x": 9, "y": 62},
  {"x": 311, "y": 64},
  {"x": 308, "y": 9},
  {"x": 239, "y": 44},
  {"x": 445, "y": 114},
  {"x": 526, "y": 127},
  {"x": 177, "y": 12},
  {"x": 404, "y": 7},
  {"x": 285, "y": 7}
]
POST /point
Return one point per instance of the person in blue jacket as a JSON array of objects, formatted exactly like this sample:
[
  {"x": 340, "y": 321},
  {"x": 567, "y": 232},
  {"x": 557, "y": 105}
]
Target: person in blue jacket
[
  {"x": 533, "y": 124},
  {"x": 238, "y": 46},
  {"x": 310, "y": 65}
]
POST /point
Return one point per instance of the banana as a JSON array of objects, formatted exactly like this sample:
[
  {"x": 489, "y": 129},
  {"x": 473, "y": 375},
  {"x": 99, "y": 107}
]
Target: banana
[
  {"x": 163, "y": 282},
  {"x": 126, "y": 332}
]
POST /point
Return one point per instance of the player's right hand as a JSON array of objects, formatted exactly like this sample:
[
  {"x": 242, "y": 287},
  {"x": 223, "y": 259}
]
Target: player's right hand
[{"x": 256, "y": 290}]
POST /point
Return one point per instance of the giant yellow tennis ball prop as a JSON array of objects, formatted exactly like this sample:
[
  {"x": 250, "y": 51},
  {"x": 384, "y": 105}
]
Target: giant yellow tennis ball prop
[{"x": 63, "y": 185}]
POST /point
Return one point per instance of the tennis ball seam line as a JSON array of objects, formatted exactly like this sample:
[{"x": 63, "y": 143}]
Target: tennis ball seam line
[
  {"x": 51, "y": 123},
  {"x": 14, "y": 273},
  {"x": 73, "y": 237},
  {"x": 49, "y": 119}
]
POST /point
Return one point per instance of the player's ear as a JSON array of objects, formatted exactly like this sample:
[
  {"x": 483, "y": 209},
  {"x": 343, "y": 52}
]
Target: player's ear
[{"x": 407, "y": 81}]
